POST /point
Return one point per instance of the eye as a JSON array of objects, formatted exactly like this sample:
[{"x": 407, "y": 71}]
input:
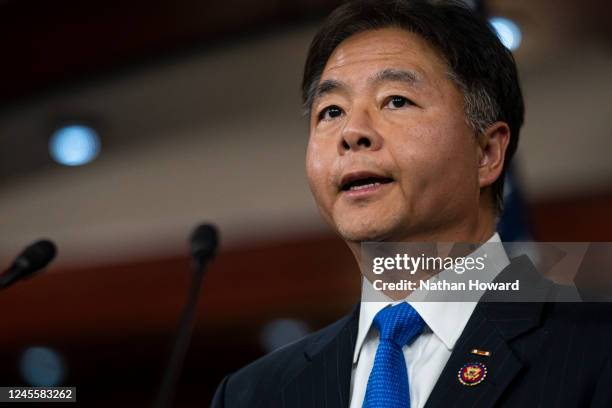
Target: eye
[
  {"x": 330, "y": 113},
  {"x": 398, "y": 102}
]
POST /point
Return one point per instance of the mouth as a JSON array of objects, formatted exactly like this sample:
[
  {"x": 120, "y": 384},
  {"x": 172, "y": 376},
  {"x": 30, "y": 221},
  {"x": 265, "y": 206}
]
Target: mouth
[{"x": 361, "y": 181}]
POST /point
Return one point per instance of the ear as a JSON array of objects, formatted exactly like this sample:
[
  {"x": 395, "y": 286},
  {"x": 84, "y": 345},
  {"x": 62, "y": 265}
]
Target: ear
[{"x": 492, "y": 145}]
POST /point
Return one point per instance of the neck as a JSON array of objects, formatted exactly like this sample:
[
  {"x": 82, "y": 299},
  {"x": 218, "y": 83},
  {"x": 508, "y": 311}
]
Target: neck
[{"x": 478, "y": 231}]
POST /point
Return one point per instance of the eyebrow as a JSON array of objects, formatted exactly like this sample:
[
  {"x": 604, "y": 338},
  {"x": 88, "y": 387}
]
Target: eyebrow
[
  {"x": 397, "y": 75},
  {"x": 325, "y": 87}
]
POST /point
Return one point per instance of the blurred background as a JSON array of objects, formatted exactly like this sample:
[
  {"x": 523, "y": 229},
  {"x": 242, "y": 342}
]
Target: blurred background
[{"x": 125, "y": 124}]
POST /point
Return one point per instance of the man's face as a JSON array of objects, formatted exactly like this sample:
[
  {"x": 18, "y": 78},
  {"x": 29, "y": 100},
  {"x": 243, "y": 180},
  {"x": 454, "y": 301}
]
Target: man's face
[{"x": 390, "y": 154}]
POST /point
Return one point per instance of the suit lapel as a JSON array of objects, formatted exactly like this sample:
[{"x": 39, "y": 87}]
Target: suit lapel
[
  {"x": 502, "y": 366},
  {"x": 325, "y": 378},
  {"x": 492, "y": 327}
]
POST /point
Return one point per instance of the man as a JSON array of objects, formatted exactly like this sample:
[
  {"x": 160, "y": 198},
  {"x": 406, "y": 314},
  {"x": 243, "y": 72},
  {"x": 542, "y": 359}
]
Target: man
[{"x": 415, "y": 110}]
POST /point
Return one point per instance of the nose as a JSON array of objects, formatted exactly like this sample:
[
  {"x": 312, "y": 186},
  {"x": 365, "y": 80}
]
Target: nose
[{"x": 359, "y": 133}]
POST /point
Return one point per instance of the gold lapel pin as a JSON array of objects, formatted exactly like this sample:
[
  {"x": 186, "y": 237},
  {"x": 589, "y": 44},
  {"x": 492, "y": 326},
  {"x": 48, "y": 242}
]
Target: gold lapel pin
[
  {"x": 481, "y": 352},
  {"x": 472, "y": 374}
]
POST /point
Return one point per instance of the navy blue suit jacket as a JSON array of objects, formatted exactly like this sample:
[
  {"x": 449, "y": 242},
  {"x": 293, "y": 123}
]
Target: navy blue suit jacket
[{"x": 543, "y": 354}]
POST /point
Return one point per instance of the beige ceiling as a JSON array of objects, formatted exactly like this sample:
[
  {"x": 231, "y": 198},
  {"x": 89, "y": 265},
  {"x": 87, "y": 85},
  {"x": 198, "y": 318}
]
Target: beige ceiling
[{"x": 219, "y": 136}]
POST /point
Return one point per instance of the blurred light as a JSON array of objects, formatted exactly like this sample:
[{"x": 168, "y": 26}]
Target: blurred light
[
  {"x": 507, "y": 31},
  {"x": 42, "y": 367},
  {"x": 74, "y": 145},
  {"x": 280, "y": 332}
]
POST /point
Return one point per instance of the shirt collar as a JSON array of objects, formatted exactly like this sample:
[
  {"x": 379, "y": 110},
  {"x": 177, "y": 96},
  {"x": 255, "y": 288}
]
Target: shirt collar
[{"x": 445, "y": 319}]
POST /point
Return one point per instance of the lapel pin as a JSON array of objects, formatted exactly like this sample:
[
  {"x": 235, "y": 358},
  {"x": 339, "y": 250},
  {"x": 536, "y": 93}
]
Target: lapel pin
[
  {"x": 481, "y": 352},
  {"x": 472, "y": 374}
]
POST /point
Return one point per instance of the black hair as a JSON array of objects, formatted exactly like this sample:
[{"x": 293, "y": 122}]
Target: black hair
[{"x": 479, "y": 64}]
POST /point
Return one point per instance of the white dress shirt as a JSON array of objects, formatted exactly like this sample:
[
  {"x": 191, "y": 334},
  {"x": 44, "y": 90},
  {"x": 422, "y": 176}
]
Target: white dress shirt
[{"x": 427, "y": 355}]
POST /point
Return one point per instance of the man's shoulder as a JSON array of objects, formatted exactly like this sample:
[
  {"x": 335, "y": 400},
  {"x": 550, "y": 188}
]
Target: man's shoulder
[
  {"x": 282, "y": 361},
  {"x": 267, "y": 375},
  {"x": 581, "y": 328},
  {"x": 589, "y": 316}
]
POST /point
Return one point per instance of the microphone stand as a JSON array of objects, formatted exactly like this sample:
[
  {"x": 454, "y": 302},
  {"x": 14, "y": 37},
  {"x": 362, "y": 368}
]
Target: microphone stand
[{"x": 187, "y": 322}]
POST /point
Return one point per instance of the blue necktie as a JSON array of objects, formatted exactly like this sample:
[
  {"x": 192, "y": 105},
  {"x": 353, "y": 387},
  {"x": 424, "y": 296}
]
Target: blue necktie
[{"x": 388, "y": 383}]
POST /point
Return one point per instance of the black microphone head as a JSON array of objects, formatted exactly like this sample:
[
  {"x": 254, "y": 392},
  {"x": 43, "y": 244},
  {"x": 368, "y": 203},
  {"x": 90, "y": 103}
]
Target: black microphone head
[
  {"x": 35, "y": 257},
  {"x": 204, "y": 241}
]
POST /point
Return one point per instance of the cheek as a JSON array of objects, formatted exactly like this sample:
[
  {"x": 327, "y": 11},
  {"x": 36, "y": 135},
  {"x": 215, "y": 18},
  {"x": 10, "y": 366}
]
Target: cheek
[
  {"x": 439, "y": 157},
  {"x": 317, "y": 169},
  {"x": 459, "y": 157},
  {"x": 418, "y": 154}
]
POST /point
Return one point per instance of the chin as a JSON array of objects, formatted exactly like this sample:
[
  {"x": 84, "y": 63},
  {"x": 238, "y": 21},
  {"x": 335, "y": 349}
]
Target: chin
[{"x": 363, "y": 231}]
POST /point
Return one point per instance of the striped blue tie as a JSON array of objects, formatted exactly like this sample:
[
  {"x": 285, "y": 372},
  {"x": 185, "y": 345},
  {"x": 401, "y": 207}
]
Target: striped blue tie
[{"x": 388, "y": 383}]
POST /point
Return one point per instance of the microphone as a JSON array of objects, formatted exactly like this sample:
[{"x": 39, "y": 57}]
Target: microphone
[
  {"x": 34, "y": 258},
  {"x": 203, "y": 241},
  {"x": 204, "y": 244}
]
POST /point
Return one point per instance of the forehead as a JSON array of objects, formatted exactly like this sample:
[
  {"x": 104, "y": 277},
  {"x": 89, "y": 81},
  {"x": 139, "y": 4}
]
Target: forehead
[{"x": 381, "y": 49}]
